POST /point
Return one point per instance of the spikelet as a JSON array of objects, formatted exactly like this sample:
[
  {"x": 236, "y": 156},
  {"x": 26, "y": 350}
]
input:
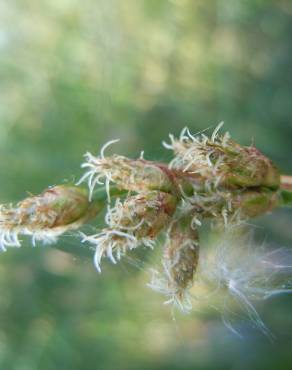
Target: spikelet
[
  {"x": 229, "y": 207},
  {"x": 136, "y": 221},
  {"x": 134, "y": 175},
  {"x": 220, "y": 161},
  {"x": 180, "y": 260},
  {"x": 46, "y": 216}
]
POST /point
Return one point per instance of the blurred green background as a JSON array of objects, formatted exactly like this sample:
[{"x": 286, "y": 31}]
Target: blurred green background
[{"x": 74, "y": 74}]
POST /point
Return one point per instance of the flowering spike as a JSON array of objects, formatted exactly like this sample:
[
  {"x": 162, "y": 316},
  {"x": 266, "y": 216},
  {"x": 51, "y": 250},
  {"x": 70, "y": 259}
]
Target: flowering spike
[
  {"x": 180, "y": 260},
  {"x": 45, "y": 216},
  {"x": 134, "y": 175},
  {"x": 137, "y": 220},
  {"x": 230, "y": 207},
  {"x": 220, "y": 161}
]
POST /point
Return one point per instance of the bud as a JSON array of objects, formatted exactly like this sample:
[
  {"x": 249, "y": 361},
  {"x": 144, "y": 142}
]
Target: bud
[
  {"x": 45, "y": 216},
  {"x": 180, "y": 260},
  {"x": 136, "y": 221},
  {"x": 220, "y": 161}
]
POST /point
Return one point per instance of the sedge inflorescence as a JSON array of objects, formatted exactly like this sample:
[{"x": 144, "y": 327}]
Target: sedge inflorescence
[{"x": 208, "y": 178}]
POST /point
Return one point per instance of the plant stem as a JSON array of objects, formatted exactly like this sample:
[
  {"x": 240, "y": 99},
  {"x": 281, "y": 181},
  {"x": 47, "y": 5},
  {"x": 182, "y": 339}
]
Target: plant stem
[{"x": 100, "y": 194}]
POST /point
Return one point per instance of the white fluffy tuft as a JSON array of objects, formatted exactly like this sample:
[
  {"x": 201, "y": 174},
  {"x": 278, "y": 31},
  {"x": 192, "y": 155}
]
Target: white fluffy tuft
[{"x": 240, "y": 274}]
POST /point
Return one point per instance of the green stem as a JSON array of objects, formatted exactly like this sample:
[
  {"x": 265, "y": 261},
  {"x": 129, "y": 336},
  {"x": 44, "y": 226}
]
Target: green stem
[{"x": 100, "y": 193}]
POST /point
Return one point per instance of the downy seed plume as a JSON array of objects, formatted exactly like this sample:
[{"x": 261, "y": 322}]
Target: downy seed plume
[{"x": 235, "y": 274}]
